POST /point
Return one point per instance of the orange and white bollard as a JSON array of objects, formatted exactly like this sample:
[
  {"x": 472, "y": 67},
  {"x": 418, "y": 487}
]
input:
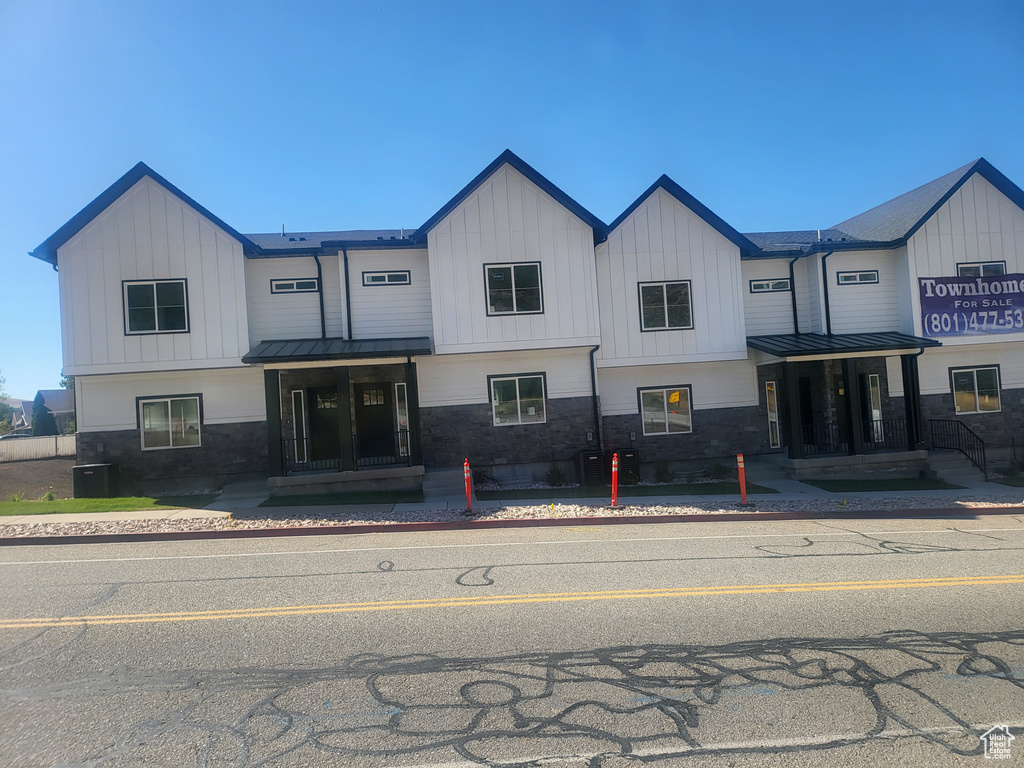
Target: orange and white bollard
[
  {"x": 615, "y": 478},
  {"x": 743, "y": 479},
  {"x": 469, "y": 490}
]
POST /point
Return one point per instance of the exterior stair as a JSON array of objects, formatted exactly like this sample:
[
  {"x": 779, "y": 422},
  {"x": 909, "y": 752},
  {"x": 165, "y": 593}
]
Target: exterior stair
[
  {"x": 952, "y": 467},
  {"x": 444, "y": 485}
]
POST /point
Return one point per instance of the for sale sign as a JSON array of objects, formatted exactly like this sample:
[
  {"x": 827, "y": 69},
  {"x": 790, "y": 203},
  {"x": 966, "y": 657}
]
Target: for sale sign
[{"x": 972, "y": 306}]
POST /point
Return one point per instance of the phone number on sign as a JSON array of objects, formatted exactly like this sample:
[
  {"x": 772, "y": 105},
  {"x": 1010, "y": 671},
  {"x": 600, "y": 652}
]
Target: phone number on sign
[{"x": 961, "y": 322}]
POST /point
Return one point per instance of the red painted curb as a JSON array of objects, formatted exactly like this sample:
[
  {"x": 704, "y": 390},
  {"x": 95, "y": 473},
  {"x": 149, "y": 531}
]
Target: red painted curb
[{"x": 459, "y": 525}]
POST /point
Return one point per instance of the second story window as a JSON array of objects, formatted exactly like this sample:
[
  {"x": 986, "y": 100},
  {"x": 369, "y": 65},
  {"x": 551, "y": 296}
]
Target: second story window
[
  {"x": 770, "y": 286},
  {"x": 665, "y": 306},
  {"x": 513, "y": 289},
  {"x": 395, "y": 277},
  {"x": 301, "y": 285},
  {"x": 864, "y": 277},
  {"x": 155, "y": 306},
  {"x": 981, "y": 269}
]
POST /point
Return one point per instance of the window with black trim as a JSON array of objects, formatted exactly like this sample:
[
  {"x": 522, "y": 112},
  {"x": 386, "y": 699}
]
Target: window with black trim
[
  {"x": 517, "y": 399},
  {"x": 170, "y": 422},
  {"x": 862, "y": 277},
  {"x": 975, "y": 390},
  {"x": 770, "y": 286},
  {"x": 298, "y": 285},
  {"x": 981, "y": 269},
  {"x": 394, "y": 277},
  {"x": 666, "y": 411},
  {"x": 513, "y": 289},
  {"x": 155, "y": 306},
  {"x": 665, "y": 306}
]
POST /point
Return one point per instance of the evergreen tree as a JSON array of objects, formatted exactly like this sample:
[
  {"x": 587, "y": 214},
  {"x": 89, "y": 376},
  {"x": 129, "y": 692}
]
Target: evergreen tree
[{"x": 43, "y": 422}]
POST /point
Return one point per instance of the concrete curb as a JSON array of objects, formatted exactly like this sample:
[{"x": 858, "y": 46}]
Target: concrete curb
[{"x": 459, "y": 525}]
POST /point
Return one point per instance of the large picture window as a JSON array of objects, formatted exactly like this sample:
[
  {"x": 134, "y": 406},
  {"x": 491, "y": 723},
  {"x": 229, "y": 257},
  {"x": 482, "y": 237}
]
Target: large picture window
[
  {"x": 513, "y": 289},
  {"x": 517, "y": 399},
  {"x": 170, "y": 422},
  {"x": 975, "y": 390},
  {"x": 665, "y": 306},
  {"x": 155, "y": 306},
  {"x": 666, "y": 411}
]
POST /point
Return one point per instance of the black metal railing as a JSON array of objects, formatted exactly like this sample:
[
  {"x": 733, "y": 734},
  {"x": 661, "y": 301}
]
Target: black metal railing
[
  {"x": 298, "y": 456},
  {"x": 957, "y": 436},
  {"x": 399, "y": 455},
  {"x": 822, "y": 437},
  {"x": 826, "y": 437},
  {"x": 885, "y": 434}
]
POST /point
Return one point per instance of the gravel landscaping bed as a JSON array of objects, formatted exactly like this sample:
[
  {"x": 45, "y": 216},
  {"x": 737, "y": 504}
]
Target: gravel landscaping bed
[{"x": 295, "y": 517}]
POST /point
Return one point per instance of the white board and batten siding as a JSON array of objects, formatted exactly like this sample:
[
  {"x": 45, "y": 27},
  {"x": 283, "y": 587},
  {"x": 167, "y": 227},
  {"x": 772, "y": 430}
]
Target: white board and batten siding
[
  {"x": 729, "y": 384},
  {"x": 769, "y": 312},
  {"x": 462, "y": 379},
  {"x": 869, "y": 307},
  {"x": 150, "y": 234},
  {"x": 509, "y": 219},
  {"x": 229, "y": 396},
  {"x": 390, "y": 311},
  {"x": 292, "y": 315},
  {"x": 977, "y": 224},
  {"x": 662, "y": 240}
]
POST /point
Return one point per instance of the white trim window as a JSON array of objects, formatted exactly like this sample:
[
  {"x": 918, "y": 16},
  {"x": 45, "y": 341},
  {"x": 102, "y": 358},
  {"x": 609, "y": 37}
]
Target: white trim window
[
  {"x": 981, "y": 269},
  {"x": 517, "y": 399},
  {"x": 665, "y": 306},
  {"x": 155, "y": 306},
  {"x": 298, "y": 285},
  {"x": 771, "y": 399},
  {"x": 975, "y": 390},
  {"x": 770, "y": 286},
  {"x": 170, "y": 422},
  {"x": 666, "y": 411},
  {"x": 513, "y": 289}
]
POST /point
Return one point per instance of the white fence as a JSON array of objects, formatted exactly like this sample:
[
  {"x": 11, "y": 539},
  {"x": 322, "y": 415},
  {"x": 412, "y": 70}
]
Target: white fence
[{"x": 25, "y": 448}]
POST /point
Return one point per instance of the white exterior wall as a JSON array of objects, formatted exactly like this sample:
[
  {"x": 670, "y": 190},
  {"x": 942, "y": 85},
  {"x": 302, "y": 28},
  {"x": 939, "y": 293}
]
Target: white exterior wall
[
  {"x": 810, "y": 299},
  {"x": 387, "y": 311},
  {"x": 509, "y": 219},
  {"x": 712, "y": 385},
  {"x": 767, "y": 313},
  {"x": 664, "y": 240},
  {"x": 229, "y": 396},
  {"x": 282, "y": 315},
  {"x": 868, "y": 308},
  {"x": 978, "y": 223},
  {"x": 462, "y": 379},
  {"x": 934, "y": 365},
  {"x": 149, "y": 234}
]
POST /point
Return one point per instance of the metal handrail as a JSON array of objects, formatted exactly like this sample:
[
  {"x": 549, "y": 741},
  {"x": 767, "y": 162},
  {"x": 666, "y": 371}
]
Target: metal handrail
[{"x": 957, "y": 436}]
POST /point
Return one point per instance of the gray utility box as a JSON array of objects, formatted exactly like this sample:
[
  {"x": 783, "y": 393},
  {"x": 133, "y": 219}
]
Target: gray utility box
[{"x": 95, "y": 481}]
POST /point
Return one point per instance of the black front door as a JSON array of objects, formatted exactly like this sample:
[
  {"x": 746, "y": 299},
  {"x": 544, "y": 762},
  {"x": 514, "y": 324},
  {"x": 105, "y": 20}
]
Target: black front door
[
  {"x": 375, "y": 437},
  {"x": 323, "y": 423}
]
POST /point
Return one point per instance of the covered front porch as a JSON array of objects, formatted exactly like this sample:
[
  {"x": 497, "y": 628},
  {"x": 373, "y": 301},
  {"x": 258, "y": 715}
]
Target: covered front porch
[
  {"x": 831, "y": 393},
  {"x": 341, "y": 408}
]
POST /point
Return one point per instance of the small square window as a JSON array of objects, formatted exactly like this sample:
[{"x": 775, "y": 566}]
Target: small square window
[
  {"x": 513, "y": 289},
  {"x": 155, "y": 306},
  {"x": 665, "y": 306},
  {"x": 666, "y": 411},
  {"x": 517, "y": 399}
]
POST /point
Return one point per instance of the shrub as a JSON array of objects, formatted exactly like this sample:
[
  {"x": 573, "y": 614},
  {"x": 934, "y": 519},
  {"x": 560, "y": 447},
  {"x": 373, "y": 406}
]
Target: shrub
[
  {"x": 629, "y": 477},
  {"x": 720, "y": 472},
  {"x": 691, "y": 477},
  {"x": 663, "y": 472},
  {"x": 554, "y": 476},
  {"x": 19, "y": 496},
  {"x": 481, "y": 476}
]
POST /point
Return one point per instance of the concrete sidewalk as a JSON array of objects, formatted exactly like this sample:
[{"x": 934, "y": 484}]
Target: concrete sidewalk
[{"x": 242, "y": 501}]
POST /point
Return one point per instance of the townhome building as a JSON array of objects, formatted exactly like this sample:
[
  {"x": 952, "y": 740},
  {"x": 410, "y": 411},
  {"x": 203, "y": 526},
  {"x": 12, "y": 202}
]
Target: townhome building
[{"x": 516, "y": 329}]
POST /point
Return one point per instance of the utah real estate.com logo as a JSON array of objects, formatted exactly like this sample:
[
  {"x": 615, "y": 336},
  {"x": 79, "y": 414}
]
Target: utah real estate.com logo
[{"x": 997, "y": 742}]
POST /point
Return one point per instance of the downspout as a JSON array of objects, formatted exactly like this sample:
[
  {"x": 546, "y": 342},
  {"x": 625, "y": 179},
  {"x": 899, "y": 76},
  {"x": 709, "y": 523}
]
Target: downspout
[
  {"x": 824, "y": 282},
  {"x": 320, "y": 293},
  {"x": 348, "y": 295},
  {"x": 593, "y": 398},
  {"x": 792, "y": 295}
]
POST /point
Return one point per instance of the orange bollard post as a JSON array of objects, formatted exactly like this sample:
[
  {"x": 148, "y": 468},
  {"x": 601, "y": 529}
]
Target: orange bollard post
[
  {"x": 469, "y": 490},
  {"x": 615, "y": 478},
  {"x": 743, "y": 479}
]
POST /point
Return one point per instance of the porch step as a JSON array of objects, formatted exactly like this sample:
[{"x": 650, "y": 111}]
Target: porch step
[
  {"x": 952, "y": 467},
  {"x": 444, "y": 485}
]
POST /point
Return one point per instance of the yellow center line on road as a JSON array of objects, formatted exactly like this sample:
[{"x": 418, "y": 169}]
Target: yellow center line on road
[{"x": 484, "y": 600}]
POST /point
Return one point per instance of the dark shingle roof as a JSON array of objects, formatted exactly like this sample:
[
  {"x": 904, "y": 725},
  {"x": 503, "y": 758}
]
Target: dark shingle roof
[
  {"x": 58, "y": 400},
  {"x": 275, "y": 243},
  {"x": 796, "y": 240}
]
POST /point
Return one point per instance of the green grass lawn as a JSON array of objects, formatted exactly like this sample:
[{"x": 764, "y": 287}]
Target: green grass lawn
[
  {"x": 1015, "y": 482},
  {"x": 882, "y": 484},
  {"x": 116, "y": 504},
  {"x": 597, "y": 491},
  {"x": 355, "y": 497}
]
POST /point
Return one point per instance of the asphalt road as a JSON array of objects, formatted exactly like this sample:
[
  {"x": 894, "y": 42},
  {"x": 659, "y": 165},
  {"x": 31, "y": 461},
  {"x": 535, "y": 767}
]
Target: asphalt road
[{"x": 711, "y": 644}]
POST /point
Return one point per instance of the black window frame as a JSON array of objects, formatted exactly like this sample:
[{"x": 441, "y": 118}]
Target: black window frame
[
  {"x": 507, "y": 376},
  {"x": 387, "y": 277},
  {"x": 981, "y": 265},
  {"x": 975, "y": 368},
  {"x": 512, "y": 265},
  {"x": 663, "y": 389},
  {"x": 274, "y": 288},
  {"x": 664, "y": 284},
  {"x": 125, "y": 284},
  {"x": 786, "y": 280},
  {"x": 161, "y": 398},
  {"x": 874, "y": 272}
]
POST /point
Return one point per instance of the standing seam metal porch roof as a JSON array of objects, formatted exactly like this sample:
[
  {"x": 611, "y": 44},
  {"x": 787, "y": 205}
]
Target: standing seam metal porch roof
[
  {"x": 838, "y": 345},
  {"x": 308, "y": 350}
]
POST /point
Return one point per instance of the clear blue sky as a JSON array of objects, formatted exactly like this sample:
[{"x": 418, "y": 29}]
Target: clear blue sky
[{"x": 346, "y": 115}]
